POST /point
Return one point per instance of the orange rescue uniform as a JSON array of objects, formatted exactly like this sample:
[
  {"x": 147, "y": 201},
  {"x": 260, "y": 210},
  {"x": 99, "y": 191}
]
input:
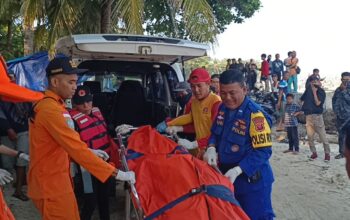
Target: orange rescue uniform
[
  {"x": 5, "y": 212},
  {"x": 52, "y": 142},
  {"x": 202, "y": 114}
]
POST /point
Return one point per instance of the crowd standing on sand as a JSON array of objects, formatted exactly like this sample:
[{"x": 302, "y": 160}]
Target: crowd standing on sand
[
  {"x": 280, "y": 79},
  {"x": 230, "y": 132}
]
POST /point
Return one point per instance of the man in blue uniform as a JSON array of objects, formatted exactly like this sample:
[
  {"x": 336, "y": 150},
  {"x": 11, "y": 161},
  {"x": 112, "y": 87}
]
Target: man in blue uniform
[{"x": 241, "y": 135}]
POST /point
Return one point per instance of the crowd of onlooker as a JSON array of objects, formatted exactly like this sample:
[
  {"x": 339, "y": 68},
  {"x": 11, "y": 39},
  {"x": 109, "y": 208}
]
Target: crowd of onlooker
[
  {"x": 279, "y": 78},
  {"x": 268, "y": 69}
]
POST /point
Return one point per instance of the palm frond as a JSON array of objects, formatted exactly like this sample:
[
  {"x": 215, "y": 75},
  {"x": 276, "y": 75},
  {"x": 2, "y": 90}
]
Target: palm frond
[
  {"x": 32, "y": 10},
  {"x": 9, "y": 9},
  {"x": 89, "y": 20},
  {"x": 62, "y": 18},
  {"x": 200, "y": 23},
  {"x": 131, "y": 13}
]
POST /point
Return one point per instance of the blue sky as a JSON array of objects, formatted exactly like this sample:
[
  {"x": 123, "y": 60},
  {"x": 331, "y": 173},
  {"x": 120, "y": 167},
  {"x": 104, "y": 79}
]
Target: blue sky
[{"x": 317, "y": 29}]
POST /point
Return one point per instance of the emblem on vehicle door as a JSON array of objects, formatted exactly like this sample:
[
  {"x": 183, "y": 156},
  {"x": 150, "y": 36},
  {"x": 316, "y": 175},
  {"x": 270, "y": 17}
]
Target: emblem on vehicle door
[{"x": 145, "y": 50}]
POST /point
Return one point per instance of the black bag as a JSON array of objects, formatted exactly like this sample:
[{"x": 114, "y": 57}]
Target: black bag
[{"x": 297, "y": 69}]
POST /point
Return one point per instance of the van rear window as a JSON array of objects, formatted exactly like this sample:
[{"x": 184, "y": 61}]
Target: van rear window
[{"x": 140, "y": 39}]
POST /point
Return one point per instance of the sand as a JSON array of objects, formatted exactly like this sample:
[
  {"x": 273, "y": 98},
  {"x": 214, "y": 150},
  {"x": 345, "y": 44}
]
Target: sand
[
  {"x": 303, "y": 189},
  {"x": 306, "y": 189}
]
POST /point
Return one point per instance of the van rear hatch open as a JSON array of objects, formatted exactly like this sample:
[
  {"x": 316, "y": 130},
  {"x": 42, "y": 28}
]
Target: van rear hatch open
[{"x": 129, "y": 48}]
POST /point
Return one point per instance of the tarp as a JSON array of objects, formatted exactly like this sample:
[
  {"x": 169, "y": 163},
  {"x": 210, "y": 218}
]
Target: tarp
[
  {"x": 173, "y": 185},
  {"x": 30, "y": 70}
]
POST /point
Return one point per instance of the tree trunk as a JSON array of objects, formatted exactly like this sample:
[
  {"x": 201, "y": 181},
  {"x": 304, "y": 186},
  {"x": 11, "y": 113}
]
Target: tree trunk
[
  {"x": 9, "y": 36},
  {"x": 28, "y": 40},
  {"x": 106, "y": 13}
]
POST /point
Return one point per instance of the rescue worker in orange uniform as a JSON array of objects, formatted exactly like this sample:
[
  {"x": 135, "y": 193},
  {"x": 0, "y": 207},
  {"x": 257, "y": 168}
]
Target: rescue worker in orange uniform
[
  {"x": 92, "y": 128},
  {"x": 11, "y": 92},
  {"x": 53, "y": 141},
  {"x": 204, "y": 108}
]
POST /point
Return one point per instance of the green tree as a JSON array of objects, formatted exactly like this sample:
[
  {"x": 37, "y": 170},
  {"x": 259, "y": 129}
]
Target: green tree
[
  {"x": 44, "y": 21},
  {"x": 214, "y": 66},
  {"x": 10, "y": 31},
  {"x": 158, "y": 20}
]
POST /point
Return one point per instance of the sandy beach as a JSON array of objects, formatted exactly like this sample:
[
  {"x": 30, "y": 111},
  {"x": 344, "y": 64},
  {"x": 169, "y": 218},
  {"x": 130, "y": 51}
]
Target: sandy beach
[{"x": 303, "y": 189}]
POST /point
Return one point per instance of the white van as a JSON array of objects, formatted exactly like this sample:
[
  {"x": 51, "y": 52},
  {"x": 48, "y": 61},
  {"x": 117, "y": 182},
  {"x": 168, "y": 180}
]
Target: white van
[{"x": 133, "y": 76}]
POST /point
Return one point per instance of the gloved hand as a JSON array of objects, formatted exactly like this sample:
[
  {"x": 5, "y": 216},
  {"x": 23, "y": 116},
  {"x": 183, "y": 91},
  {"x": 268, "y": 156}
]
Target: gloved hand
[
  {"x": 123, "y": 129},
  {"x": 5, "y": 177},
  {"x": 211, "y": 157},
  {"x": 24, "y": 156},
  {"x": 126, "y": 176},
  {"x": 174, "y": 129},
  {"x": 233, "y": 173},
  {"x": 161, "y": 127},
  {"x": 189, "y": 145},
  {"x": 101, "y": 154}
]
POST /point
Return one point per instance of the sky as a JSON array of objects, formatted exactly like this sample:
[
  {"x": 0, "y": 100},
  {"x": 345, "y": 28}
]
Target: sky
[{"x": 318, "y": 30}]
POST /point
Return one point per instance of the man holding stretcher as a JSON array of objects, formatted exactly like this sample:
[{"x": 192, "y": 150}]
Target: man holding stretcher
[
  {"x": 53, "y": 142},
  {"x": 241, "y": 134},
  {"x": 204, "y": 108}
]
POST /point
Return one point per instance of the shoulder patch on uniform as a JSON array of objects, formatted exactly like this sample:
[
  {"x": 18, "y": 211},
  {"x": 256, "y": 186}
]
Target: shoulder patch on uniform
[
  {"x": 259, "y": 123},
  {"x": 260, "y": 131}
]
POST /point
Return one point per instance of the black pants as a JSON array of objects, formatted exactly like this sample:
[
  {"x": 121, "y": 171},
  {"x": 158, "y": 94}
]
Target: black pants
[
  {"x": 100, "y": 196},
  {"x": 293, "y": 138}
]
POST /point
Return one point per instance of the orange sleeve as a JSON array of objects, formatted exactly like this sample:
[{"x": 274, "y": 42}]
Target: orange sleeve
[
  {"x": 70, "y": 141},
  {"x": 203, "y": 142},
  {"x": 181, "y": 120},
  {"x": 189, "y": 128}
]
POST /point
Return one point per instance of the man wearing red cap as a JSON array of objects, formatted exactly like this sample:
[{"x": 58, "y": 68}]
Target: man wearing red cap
[
  {"x": 11, "y": 92},
  {"x": 204, "y": 108}
]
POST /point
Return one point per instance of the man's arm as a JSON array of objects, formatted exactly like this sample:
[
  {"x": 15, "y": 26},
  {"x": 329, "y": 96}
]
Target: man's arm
[
  {"x": 8, "y": 151},
  {"x": 189, "y": 128},
  {"x": 294, "y": 63},
  {"x": 334, "y": 101},
  {"x": 260, "y": 133},
  {"x": 181, "y": 120},
  {"x": 319, "y": 96},
  {"x": 273, "y": 66},
  {"x": 4, "y": 124},
  {"x": 203, "y": 142},
  {"x": 54, "y": 122}
]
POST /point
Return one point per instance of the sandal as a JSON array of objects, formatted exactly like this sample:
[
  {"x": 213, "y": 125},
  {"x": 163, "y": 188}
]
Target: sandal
[{"x": 21, "y": 196}]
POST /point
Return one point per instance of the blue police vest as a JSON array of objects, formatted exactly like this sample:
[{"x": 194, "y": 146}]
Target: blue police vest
[{"x": 235, "y": 143}]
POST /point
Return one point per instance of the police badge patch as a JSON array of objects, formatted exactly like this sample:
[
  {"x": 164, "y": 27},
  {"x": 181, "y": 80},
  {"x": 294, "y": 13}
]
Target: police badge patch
[
  {"x": 220, "y": 118},
  {"x": 239, "y": 127},
  {"x": 259, "y": 123}
]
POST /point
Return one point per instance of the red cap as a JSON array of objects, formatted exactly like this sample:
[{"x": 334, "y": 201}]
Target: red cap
[{"x": 199, "y": 75}]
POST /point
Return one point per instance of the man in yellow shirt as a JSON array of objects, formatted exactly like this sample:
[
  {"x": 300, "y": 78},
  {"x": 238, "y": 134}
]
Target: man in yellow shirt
[
  {"x": 53, "y": 142},
  {"x": 204, "y": 108}
]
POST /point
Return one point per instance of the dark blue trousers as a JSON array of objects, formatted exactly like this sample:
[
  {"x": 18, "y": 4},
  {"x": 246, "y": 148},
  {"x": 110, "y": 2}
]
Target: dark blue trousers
[
  {"x": 293, "y": 138},
  {"x": 257, "y": 204}
]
